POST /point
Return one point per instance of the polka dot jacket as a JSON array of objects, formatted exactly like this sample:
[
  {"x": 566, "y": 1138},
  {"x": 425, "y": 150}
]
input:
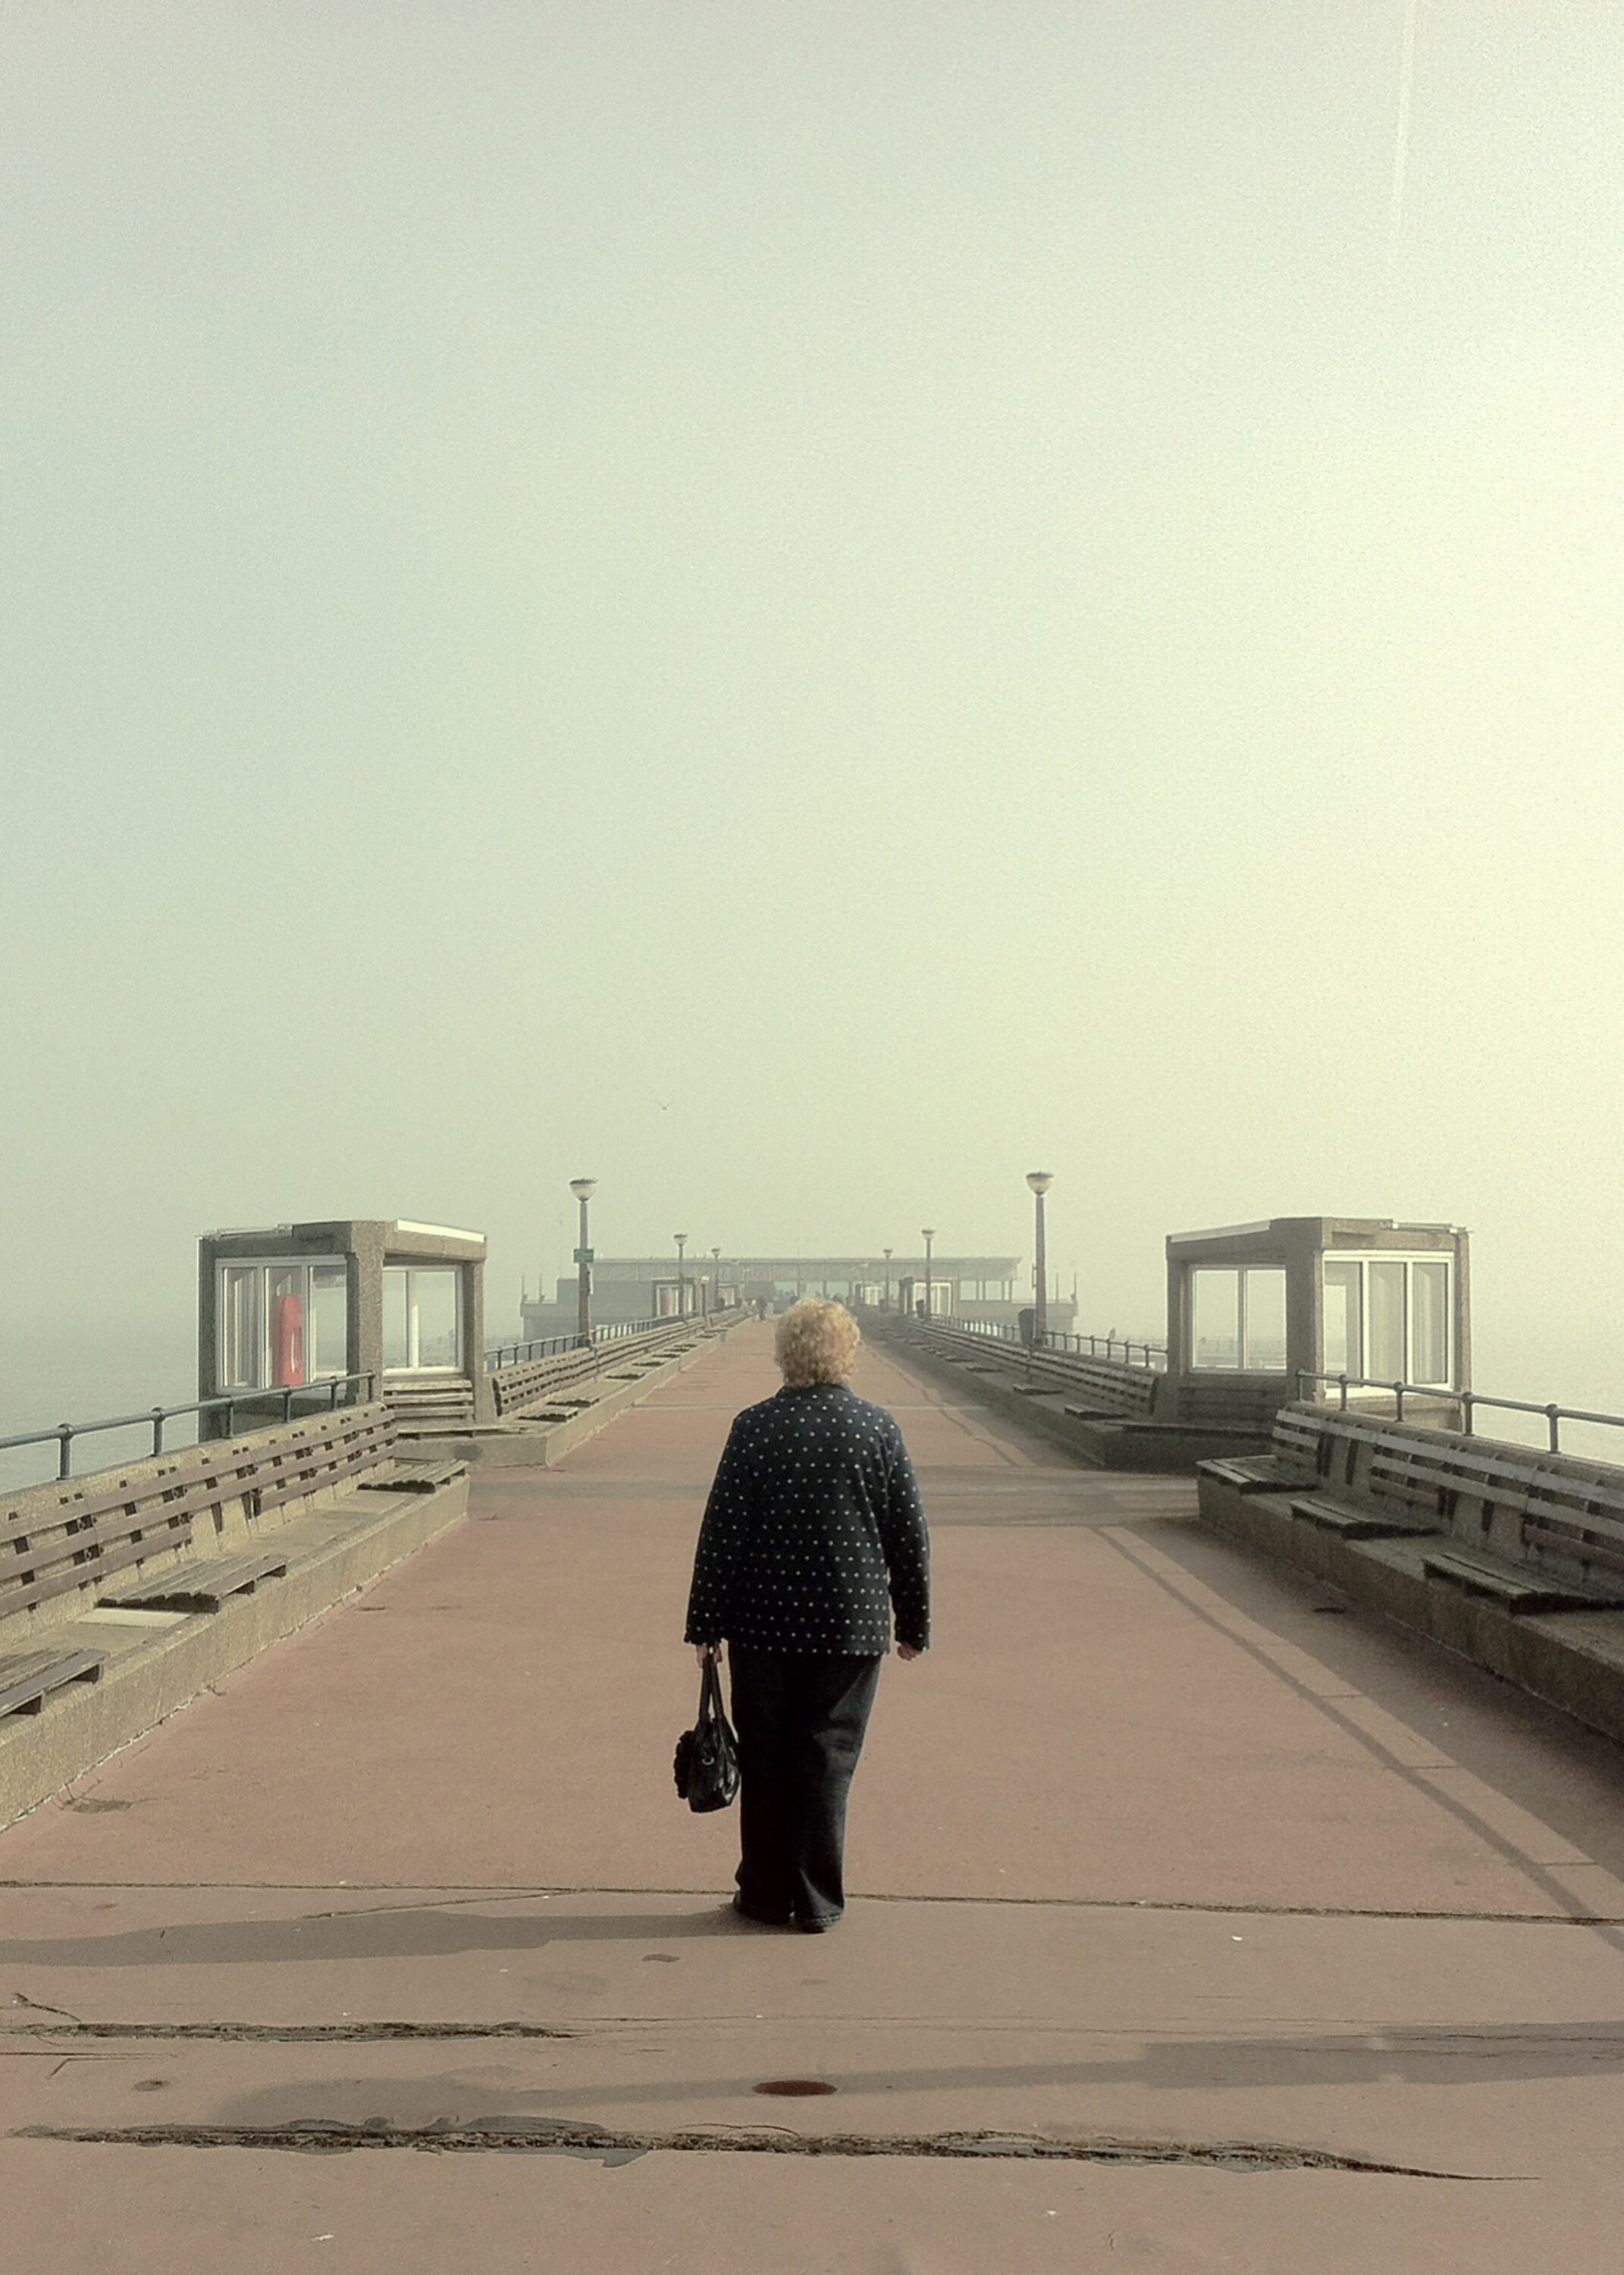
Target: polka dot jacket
[{"x": 813, "y": 1534}]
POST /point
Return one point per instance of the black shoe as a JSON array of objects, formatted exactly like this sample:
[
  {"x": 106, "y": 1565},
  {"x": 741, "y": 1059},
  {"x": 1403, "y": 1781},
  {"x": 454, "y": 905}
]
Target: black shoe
[
  {"x": 817, "y": 1924},
  {"x": 761, "y": 1919}
]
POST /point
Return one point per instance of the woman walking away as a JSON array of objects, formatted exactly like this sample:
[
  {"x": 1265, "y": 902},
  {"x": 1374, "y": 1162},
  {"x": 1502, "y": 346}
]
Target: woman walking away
[{"x": 813, "y": 1538}]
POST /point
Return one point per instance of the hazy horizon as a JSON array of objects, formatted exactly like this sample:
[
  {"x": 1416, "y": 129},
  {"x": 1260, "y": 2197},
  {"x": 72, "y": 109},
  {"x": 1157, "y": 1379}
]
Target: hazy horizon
[{"x": 805, "y": 610}]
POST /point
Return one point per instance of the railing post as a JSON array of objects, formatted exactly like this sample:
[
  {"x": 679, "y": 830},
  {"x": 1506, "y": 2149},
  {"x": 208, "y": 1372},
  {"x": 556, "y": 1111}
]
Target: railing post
[
  {"x": 230, "y": 1416},
  {"x": 1466, "y": 1413},
  {"x": 157, "y": 1429},
  {"x": 1554, "y": 1415},
  {"x": 64, "y": 1450},
  {"x": 1342, "y": 1407},
  {"x": 1398, "y": 1401},
  {"x": 287, "y": 1404}
]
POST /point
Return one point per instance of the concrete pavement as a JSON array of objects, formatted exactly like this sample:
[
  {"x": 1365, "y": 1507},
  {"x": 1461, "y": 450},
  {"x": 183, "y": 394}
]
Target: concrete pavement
[{"x": 1158, "y": 1848}]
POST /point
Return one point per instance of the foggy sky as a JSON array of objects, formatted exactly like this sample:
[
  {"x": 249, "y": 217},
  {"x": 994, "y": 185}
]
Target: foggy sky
[{"x": 805, "y": 609}]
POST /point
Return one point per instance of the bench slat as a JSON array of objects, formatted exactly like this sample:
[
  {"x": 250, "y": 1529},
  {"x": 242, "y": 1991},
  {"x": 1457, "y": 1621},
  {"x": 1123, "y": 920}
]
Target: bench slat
[
  {"x": 84, "y": 1556},
  {"x": 428, "y": 1476},
  {"x": 1547, "y": 1502},
  {"x": 66, "y": 1578},
  {"x": 159, "y": 1531},
  {"x": 1259, "y": 1473},
  {"x": 25, "y": 1679},
  {"x": 1515, "y": 1590},
  {"x": 1576, "y": 1549},
  {"x": 202, "y": 1585},
  {"x": 1355, "y": 1523}
]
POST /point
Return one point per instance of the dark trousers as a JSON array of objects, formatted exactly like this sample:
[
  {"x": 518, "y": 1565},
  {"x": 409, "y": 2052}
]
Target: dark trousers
[{"x": 800, "y": 1719}]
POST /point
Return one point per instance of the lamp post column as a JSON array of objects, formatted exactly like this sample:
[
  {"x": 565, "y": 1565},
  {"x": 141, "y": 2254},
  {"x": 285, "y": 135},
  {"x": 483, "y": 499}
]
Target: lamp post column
[
  {"x": 583, "y": 1188},
  {"x": 927, "y": 1237},
  {"x": 886, "y": 1304},
  {"x": 681, "y": 1238},
  {"x": 1041, "y": 1179}
]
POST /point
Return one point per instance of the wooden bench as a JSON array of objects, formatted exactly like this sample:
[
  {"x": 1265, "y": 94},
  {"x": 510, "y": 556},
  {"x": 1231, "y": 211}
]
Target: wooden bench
[
  {"x": 1514, "y": 1589},
  {"x": 1529, "y": 1530},
  {"x": 27, "y": 1678},
  {"x": 1294, "y": 1458},
  {"x": 1221, "y": 1404},
  {"x": 1108, "y": 1390},
  {"x": 413, "y": 1476},
  {"x": 421, "y": 1403},
  {"x": 1352, "y": 1523},
  {"x": 84, "y": 1540},
  {"x": 203, "y": 1585},
  {"x": 1508, "y": 1506},
  {"x": 78, "y": 1536},
  {"x": 532, "y": 1382}
]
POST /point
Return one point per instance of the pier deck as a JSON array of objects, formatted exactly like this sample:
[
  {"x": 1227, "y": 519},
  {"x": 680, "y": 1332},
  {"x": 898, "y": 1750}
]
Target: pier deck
[{"x": 1159, "y": 1846}]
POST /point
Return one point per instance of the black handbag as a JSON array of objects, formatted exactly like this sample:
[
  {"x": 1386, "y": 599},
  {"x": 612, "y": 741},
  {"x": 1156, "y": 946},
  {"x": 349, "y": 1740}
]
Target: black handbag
[{"x": 707, "y": 1764}]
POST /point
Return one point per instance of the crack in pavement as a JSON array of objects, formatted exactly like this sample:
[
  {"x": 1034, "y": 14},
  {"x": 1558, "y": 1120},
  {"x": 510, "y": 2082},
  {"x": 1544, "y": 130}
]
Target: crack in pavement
[
  {"x": 455, "y": 1898},
  {"x": 288, "y": 2034},
  {"x": 324, "y": 2136}
]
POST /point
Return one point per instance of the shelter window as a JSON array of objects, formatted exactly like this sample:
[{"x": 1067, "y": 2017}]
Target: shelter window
[
  {"x": 1238, "y": 1321},
  {"x": 422, "y": 1322},
  {"x": 1386, "y": 1318},
  {"x": 282, "y": 1322}
]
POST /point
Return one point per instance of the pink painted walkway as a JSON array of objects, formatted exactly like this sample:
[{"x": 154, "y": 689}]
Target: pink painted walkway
[{"x": 1154, "y": 1844}]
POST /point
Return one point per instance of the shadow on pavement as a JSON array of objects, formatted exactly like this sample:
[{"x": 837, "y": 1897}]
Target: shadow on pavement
[{"x": 431, "y": 1933}]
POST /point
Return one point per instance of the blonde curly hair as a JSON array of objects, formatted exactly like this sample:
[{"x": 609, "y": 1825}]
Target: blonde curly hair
[{"x": 816, "y": 1341}]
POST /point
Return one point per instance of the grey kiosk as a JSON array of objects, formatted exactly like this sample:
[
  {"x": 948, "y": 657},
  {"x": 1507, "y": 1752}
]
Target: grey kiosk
[
  {"x": 1258, "y": 1310},
  {"x": 295, "y": 1308}
]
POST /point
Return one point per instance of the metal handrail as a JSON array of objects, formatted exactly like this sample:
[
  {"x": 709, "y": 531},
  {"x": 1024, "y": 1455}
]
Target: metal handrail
[
  {"x": 64, "y": 1432},
  {"x": 1003, "y": 1331},
  {"x": 1466, "y": 1400},
  {"x": 498, "y": 1356},
  {"x": 1074, "y": 1344}
]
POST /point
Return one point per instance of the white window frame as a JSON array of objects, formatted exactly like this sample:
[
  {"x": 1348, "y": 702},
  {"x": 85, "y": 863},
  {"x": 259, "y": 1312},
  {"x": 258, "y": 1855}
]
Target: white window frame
[
  {"x": 1240, "y": 1272},
  {"x": 411, "y": 1268},
  {"x": 1409, "y": 1258},
  {"x": 264, "y": 1266}
]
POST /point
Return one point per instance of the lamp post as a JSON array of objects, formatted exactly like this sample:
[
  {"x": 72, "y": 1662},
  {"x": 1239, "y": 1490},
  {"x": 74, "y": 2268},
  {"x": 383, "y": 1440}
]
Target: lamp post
[
  {"x": 681, "y": 1238},
  {"x": 715, "y": 1279},
  {"x": 886, "y": 1304},
  {"x": 583, "y": 1188},
  {"x": 1041, "y": 1179},
  {"x": 927, "y": 1237}
]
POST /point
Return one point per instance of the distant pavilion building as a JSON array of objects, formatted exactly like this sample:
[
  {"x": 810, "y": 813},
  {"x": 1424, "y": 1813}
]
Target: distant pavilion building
[{"x": 646, "y": 1286}]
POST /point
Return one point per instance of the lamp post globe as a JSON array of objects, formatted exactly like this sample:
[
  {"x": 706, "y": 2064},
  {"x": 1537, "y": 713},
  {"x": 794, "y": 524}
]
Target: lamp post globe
[
  {"x": 927, "y": 1235},
  {"x": 583, "y": 1188},
  {"x": 1039, "y": 1180}
]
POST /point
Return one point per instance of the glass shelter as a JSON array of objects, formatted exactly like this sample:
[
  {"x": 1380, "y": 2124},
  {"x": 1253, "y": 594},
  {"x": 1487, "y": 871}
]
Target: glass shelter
[
  {"x": 313, "y": 1306},
  {"x": 1296, "y": 1298}
]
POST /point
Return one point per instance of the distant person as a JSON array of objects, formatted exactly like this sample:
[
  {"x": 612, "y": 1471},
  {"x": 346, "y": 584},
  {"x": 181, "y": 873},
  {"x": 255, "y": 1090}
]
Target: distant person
[{"x": 813, "y": 1539}]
